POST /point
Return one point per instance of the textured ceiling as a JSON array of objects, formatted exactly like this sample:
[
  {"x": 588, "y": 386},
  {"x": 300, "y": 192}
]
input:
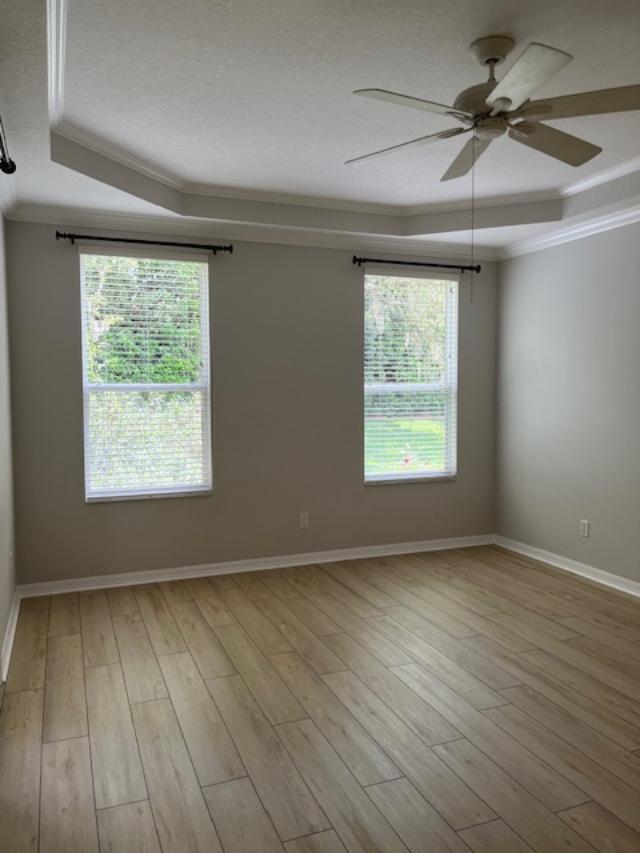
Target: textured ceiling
[
  {"x": 23, "y": 105},
  {"x": 252, "y": 96},
  {"x": 240, "y": 99}
]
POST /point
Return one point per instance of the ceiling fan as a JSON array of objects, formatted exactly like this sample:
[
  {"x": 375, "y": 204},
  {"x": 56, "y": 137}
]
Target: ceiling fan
[{"x": 491, "y": 109}]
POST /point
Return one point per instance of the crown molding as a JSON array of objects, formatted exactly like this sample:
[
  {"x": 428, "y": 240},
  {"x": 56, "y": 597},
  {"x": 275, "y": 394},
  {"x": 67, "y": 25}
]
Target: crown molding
[
  {"x": 66, "y": 130},
  {"x": 482, "y": 203},
  {"x": 56, "y": 50},
  {"x": 236, "y": 212},
  {"x": 572, "y": 232},
  {"x": 600, "y": 178},
  {"x": 291, "y": 199},
  {"x": 265, "y": 216},
  {"x": 73, "y": 133},
  {"x": 198, "y": 228}
]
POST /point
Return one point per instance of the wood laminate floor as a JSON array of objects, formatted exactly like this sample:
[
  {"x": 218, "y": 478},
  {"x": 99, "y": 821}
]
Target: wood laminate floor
[{"x": 468, "y": 700}]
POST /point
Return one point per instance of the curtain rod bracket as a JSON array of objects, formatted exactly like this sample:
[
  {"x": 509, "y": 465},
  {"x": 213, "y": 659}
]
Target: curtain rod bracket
[
  {"x": 462, "y": 267},
  {"x": 73, "y": 237}
]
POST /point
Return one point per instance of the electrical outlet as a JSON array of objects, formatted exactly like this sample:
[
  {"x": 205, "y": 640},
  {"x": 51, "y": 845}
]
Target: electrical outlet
[
  {"x": 584, "y": 527},
  {"x": 303, "y": 520}
]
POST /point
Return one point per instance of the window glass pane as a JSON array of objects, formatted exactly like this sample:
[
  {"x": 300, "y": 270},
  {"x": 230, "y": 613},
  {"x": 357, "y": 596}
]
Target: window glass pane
[
  {"x": 145, "y": 440},
  {"x": 146, "y": 375},
  {"x": 144, "y": 320},
  {"x": 405, "y": 433},
  {"x": 404, "y": 329},
  {"x": 410, "y": 370}
]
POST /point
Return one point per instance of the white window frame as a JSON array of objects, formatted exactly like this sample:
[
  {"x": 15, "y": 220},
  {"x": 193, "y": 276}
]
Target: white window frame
[
  {"x": 452, "y": 349},
  {"x": 105, "y": 496}
]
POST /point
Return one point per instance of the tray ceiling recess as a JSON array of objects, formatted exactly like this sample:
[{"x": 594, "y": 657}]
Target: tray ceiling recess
[{"x": 234, "y": 120}]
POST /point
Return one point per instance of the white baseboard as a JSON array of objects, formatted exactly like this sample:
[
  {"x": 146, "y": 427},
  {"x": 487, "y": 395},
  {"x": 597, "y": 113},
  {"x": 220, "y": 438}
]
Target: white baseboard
[
  {"x": 568, "y": 565},
  {"x": 9, "y": 635},
  {"x": 309, "y": 558},
  {"x": 253, "y": 565}
]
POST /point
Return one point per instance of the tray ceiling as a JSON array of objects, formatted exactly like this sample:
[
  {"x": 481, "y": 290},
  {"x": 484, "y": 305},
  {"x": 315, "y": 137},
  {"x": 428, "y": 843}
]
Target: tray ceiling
[{"x": 239, "y": 114}]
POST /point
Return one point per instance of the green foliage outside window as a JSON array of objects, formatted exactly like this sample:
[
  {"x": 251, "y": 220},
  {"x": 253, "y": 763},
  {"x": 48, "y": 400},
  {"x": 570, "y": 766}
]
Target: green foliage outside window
[{"x": 146, "y": 329}]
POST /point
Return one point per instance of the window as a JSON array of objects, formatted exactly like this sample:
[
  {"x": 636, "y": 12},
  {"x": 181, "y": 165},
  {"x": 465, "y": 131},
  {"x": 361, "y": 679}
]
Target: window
[
  {"x": 410, "y": 376},
  {"x": 145, "y": 343}
]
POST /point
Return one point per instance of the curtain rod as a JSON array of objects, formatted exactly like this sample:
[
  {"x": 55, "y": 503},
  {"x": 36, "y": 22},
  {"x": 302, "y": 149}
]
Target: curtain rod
[
  {"x": 461, "y": 267},
  {"x": 74, "y": 237}
]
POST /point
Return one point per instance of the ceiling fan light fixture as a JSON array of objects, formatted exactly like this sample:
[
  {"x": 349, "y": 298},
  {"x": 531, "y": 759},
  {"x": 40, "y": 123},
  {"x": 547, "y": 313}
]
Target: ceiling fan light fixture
[{"x": 491, "y": 127}]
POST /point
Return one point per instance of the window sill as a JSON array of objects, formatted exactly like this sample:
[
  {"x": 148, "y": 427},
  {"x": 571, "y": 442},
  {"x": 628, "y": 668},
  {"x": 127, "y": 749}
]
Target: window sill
[
  {"x": 147, "y": 496},
  {"x": 405, "y": 481}
]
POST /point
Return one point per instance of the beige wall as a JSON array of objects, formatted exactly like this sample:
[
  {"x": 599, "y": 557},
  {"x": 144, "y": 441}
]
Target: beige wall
[
  {"x": 568, "y": 439},
  {"x": 7, "y": 579},
  {"x": 287, "y": 349}
]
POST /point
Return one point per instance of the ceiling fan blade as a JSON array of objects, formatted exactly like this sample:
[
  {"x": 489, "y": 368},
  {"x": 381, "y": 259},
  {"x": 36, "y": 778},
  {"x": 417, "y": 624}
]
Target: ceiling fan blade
[
  {"x": 466, "y": 158},
  {"x": 537, "y": 64},
  {"x": 422, "y": 140},
  {"x": 563, "y": 146},
  {"x": 619, "y": 100},
  {"x": 414, "y": 103}
]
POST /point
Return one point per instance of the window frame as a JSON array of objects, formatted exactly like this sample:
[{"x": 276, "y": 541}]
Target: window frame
[
  {"x": 205, "y": 388},
  {"x": 451, "y": 348}
]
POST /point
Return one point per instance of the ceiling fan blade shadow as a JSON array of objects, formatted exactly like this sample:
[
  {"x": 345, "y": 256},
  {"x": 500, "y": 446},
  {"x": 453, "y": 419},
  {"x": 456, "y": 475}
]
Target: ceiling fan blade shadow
[
  {"x": 537, "y": 64},
  {"x": 562, "y": 146},
  {"x": 619, "y": 100},
  {"x": 421, "y": 140},
  {"x": 466, "y": 158},
  {"x": 413, "y": 103}
]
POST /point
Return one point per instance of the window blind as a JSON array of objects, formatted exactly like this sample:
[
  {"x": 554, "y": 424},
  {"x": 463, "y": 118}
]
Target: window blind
[
  {"x": 410, "y": 376},
  {"x": 145, "y": 345}
]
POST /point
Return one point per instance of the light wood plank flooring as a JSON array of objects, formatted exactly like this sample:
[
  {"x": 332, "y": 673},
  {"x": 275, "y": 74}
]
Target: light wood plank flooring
[{"x": 468, "y": 700}]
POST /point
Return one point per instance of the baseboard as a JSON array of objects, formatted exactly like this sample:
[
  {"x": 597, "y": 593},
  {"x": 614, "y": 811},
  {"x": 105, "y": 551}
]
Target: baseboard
[
  {"x": 308, "y": 558},
  {"x": 9, "y": 635},
  {"x": 568, "y": 565},
  {"x": 135, "y": 578}
]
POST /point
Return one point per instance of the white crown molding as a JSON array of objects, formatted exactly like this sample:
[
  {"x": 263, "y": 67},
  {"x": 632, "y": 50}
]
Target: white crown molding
[
  {"x": 253, "y": 565},
  {"x": 56, "y": 51},
  {"x": 263, "y": 216},
  {"x": 600, "y": 178},
  {"x": 572, "y": 232},
  {"x": 9, "y": 636},
  {"x": 73, "y": 133},
  {"x": 291, "y": 199},
  {"x": 481, "y": 203},
  {"x": 107, "y": 149},
  {"x": 182, "y": 226},
  {"x": 269, "y": 221},
  {"x": 576, "y": 568},
  {"x": 65, "y": 130}
]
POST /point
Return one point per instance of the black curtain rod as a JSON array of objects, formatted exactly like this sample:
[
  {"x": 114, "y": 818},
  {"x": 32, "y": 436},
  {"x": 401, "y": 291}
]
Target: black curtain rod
[
  {"x": 74, "y": 237},
  {"x": 461, "y": 267}
]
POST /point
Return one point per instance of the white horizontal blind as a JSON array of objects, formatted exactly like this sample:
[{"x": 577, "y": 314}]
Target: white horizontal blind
[
  {"x": 410, "y": 381},
  {"x": 145, "y": 375}
]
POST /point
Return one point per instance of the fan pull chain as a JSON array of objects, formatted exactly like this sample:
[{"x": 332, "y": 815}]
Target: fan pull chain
[{"x": 473, "y": 202}]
